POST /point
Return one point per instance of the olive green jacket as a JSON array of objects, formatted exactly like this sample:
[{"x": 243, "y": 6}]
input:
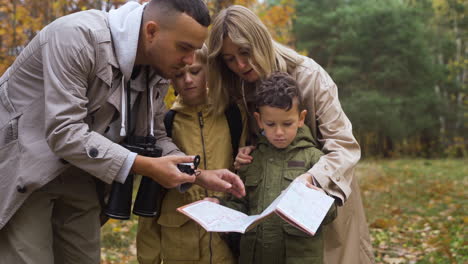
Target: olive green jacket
[{"x": 272, "y": 170}]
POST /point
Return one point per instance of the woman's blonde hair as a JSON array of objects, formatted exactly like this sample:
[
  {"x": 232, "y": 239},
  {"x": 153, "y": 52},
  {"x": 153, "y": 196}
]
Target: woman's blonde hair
[
  {"x": 246, "y": 30},
  {"x": 202, "y": 54}
]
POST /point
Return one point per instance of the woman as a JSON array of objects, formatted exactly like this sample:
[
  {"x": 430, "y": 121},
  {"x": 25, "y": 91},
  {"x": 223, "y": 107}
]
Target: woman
[{"x": 241, "y": 53}]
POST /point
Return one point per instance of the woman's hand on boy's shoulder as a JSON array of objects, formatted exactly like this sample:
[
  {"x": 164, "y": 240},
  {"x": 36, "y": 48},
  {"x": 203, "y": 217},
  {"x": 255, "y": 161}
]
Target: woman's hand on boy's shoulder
[{"x": 243, "y": 156}]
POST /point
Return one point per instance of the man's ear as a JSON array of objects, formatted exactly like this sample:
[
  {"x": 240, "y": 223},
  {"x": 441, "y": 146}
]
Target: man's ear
[
  {"x": 302, "y": 117},
  {"x": 151, "y": 30},
  {"x": 258, "y": 118}
]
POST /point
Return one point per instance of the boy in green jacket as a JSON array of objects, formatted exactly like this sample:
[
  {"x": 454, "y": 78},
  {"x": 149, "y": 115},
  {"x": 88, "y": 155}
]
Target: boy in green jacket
[{"x": 284, "y": 151}]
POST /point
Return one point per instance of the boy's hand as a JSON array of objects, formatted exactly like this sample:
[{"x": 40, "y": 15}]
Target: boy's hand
[
  {"x": 243, "y": 156},
  {"x": 306, "y": 178},
  {"x": 221, "y": 180}
]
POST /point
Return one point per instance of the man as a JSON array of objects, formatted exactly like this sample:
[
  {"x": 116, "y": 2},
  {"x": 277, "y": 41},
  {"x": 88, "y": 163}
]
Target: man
[{"x": 63, "y": 110}]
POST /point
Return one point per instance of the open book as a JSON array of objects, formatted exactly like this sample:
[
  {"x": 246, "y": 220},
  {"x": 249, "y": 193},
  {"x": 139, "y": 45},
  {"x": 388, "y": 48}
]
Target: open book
[{"x": 299, "y": 205}]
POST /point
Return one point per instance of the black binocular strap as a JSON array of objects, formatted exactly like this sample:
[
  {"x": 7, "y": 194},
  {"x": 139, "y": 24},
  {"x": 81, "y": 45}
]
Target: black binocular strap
[
  {"x": 168, "y": 120},
  {"x": 234, "y": 119}
]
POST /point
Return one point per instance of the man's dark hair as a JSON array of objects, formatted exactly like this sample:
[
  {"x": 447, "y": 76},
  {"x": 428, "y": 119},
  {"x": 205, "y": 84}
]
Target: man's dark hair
[
  {"x": 278, "y": 90},
  {"x": 196, "y": 9}
]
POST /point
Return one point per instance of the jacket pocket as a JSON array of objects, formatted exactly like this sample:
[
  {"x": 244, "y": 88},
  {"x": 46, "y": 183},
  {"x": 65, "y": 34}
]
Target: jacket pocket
[
  {"x": 9, "y": 131},
  {"x": 253, "y": 179},
  {"x": 179, "y": 235},
  {"x": 180, "y": 243},
  {"x": 9, "y": 159},
  {"x": 170, "y": 217},
  {"x": 301, "y": 245},
  {"x": 291, "y": 174},
  {"x": 247, "y": 246},
  {"x": 252, "y": 182},
  {"x": 9, "y": 162}
]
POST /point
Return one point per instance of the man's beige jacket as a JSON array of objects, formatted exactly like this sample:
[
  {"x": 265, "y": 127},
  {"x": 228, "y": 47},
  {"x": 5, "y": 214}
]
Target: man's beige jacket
[{"x": 58, "y": 100}]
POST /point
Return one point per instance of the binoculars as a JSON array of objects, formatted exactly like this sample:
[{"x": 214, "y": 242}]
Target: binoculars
[{"x": 150, "y": 193}]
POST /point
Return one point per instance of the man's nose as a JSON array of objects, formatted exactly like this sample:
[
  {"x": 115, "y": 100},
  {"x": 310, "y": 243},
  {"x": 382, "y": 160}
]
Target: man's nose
[{"x": 188, "y": 59}]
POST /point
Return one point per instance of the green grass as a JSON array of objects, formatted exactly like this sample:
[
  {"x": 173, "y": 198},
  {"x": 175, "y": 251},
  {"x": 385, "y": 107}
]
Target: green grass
[
  {"x": 415, "y": 210},
  {"x": 118, "y": 241},
  {"x": 118, "y": 237}
]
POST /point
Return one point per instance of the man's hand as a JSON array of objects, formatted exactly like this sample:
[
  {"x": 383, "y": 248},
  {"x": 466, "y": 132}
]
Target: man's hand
[
  {"x": 163, "y": 170},
  {"x": 221, "y": 181},
  {"x": 243, "y": 156}
]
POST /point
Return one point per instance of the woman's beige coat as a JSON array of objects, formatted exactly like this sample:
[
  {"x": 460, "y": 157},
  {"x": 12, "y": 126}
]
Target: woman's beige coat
[
  {"x": 56, "y": 102},
  {"x": 347, "y": 238}
]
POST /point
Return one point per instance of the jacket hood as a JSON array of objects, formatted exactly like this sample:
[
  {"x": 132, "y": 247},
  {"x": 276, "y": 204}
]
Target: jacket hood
[
  {"x": 125, "y": 25},
  {"x": 180, "y": 107},
  {"x": 303, "y": 139}
]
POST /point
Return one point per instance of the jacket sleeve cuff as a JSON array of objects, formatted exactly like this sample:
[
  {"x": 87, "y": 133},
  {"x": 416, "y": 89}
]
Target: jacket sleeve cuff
[
  {"x": 126, "y": 167},
  {"x": 117, "y": 154},
  {"x": 330, "y": 185}
]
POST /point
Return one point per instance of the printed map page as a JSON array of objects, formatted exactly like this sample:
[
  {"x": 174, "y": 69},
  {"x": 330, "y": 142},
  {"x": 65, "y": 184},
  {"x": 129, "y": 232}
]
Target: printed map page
[{"x": 299, "y": 205}]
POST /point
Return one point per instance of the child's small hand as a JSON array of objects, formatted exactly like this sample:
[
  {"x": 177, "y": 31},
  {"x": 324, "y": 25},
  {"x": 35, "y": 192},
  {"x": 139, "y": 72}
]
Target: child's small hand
[
  {"x": 315, "y": 188},
  {"x": 306, "y": 178},
  {"x": 211, "y": 199},
  {"x": 243, "y": 156}
]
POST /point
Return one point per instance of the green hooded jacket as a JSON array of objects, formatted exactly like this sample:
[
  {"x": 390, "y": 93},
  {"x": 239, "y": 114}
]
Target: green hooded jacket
[{"x": 272, "y": 170}]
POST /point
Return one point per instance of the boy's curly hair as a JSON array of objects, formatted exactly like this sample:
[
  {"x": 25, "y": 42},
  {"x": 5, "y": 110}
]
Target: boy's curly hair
[{"x": 278, "y": 90}]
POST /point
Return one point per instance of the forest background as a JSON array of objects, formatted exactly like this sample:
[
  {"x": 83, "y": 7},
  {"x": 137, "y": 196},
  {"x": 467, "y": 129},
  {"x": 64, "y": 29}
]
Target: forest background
[{"x": 401, "y": 70}]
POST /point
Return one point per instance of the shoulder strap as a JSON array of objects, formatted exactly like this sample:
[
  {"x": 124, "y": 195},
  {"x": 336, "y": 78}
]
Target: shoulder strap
[
  {"x": 234, "y": 119},
  {"x": 168, "y": 120}
]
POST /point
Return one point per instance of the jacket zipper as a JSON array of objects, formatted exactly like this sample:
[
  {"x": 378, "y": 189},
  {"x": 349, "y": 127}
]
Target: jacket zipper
[{"x": 201, "y": 122}]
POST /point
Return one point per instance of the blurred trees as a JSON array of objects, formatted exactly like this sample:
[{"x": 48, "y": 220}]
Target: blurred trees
[
  {"x": 401, "y": 79},
  {"x": 400, "y": 65},
  {"x": 277, "y": 15},
  {"x": 448, "y": 21},
  {"x": 20, "y": 20}
]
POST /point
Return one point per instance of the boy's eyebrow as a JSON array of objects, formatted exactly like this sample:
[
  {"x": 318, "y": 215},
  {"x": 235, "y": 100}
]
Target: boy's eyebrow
[
  {"x": 196, "y": 67},
  {"x": 282, "y": 121}
]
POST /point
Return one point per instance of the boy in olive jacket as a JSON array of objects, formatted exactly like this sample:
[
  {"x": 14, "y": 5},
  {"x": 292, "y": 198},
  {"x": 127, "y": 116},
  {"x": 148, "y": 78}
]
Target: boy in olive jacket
[{"x": 284, "y": 151}]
